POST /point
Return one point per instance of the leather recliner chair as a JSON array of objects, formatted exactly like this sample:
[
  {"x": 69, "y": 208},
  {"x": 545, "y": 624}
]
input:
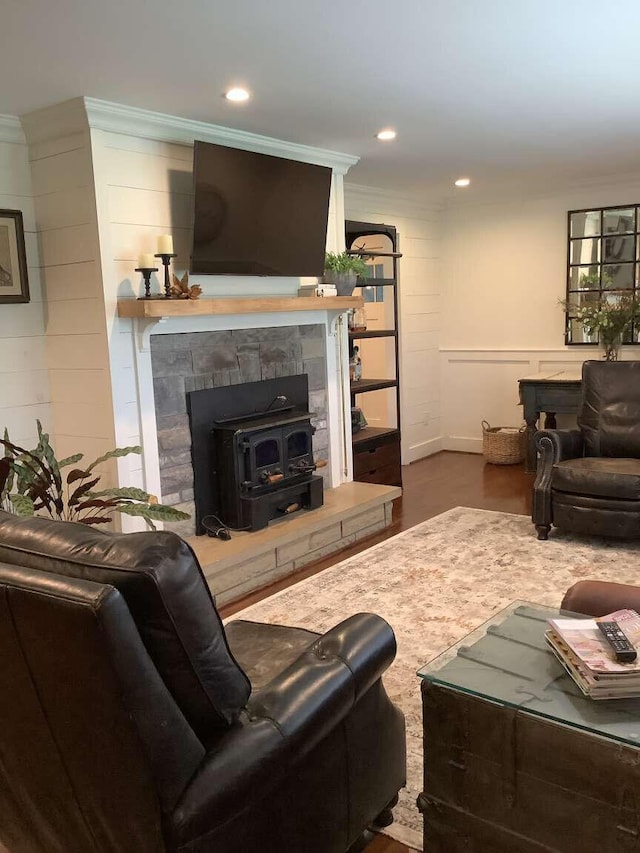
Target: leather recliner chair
[
  {"x": 132, "y": 722},
  {"x": 588, "y": 479},
  {"x": 598, "y": 598}
]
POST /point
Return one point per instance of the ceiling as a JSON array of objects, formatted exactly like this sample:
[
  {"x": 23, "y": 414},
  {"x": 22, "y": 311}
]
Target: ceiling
[{"x": 517, "y": 94}]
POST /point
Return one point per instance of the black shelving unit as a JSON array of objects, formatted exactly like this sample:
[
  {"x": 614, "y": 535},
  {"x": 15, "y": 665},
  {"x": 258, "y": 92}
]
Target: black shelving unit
[{"x": 376, "y": 450}]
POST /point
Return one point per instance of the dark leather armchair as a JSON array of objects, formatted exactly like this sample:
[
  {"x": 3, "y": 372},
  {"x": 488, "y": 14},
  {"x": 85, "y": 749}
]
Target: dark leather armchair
[
  {"x": 588, "y": 479},
  {"x": 132, "y": 722},
  {"x": 598, "y": 598}
]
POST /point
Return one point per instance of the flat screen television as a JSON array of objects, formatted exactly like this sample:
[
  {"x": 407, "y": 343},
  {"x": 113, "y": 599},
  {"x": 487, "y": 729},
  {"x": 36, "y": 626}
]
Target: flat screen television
[{"x": 256, "y": 214}]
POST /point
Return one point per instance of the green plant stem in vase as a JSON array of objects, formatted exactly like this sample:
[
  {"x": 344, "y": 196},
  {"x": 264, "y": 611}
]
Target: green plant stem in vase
[
  {"x": 609, "y": 317},
  {"x": 610, "y": 346}
]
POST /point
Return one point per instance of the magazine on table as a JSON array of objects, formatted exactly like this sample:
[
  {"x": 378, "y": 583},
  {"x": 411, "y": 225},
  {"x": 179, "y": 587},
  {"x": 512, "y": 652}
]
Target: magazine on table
[
  {"x": 597, "y": 687},
  {"x": 588, "y": 658},
  {"x": 586, "y": 641}
]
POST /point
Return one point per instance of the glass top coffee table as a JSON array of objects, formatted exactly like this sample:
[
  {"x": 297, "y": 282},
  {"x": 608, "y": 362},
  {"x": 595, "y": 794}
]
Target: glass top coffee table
[{"x": 506, "y": 660}]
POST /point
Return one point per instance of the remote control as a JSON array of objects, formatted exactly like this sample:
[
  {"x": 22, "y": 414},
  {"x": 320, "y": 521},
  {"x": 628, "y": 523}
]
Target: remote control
[{"x": 619, "y": 642}]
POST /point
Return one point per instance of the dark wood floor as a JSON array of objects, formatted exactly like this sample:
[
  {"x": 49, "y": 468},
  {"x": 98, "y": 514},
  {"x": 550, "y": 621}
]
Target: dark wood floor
[{"x": 430, "y": 487}]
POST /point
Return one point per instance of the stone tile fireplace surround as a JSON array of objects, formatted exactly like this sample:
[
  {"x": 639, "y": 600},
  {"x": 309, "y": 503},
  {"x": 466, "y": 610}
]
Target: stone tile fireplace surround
[{"x": 194, "y": 361}]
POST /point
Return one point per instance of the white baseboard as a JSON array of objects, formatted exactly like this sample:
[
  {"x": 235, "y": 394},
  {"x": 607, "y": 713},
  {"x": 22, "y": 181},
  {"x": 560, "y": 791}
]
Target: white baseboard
[
  {"x": 462, "y": 443},
  {"x": 419, "y": 451}
]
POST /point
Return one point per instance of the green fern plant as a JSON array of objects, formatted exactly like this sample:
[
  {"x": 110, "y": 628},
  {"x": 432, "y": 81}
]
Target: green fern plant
[
  {"x": 343, "y": 262},
  {"x": 32, "y": 483}
]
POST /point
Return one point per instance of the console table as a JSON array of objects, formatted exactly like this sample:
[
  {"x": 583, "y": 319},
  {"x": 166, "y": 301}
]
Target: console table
[{"x": 551, "y": 392}]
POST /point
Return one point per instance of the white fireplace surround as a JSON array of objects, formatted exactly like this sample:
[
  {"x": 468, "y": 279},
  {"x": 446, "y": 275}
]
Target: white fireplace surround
[{"x": 337, "y": 383}]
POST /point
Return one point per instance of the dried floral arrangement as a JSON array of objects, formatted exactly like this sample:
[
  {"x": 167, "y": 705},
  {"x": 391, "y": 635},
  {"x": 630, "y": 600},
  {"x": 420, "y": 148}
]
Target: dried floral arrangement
[
  {"x": 31, "y": 483},
  {"x": 181, "y": 289}
]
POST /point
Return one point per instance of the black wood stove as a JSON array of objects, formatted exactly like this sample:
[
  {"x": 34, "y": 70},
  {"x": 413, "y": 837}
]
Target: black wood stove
[{"x": 252, "y": 453}]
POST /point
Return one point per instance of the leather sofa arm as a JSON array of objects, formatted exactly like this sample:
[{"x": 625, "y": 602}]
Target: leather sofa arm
[
  {"x": 553, "y": 445},
  {"x": 285, "y": 720},
  {"x": 597, "y": 598}
]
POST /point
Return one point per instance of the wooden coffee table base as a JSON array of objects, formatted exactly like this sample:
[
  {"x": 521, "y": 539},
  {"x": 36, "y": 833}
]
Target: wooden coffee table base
[{"x": 501, "y": 780}]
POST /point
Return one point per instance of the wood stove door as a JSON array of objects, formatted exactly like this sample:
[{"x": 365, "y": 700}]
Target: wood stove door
[
  {"x": 296, "y": 441},
  {"x": 264, "y": 457}
]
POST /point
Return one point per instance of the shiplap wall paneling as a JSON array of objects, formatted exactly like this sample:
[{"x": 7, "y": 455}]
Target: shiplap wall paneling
[
  {"x": 77, "y": 351},
  {"x": 24, "y": 384}
]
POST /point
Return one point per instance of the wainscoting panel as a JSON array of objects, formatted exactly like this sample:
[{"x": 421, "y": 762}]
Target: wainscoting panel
[{"x": 482, "y": 384}]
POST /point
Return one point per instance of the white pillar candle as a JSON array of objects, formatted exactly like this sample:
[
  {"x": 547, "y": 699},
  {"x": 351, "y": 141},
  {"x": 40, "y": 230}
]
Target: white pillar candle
[
  {"x": 165, "y": 244},
  {"x": 146, "y": 262}
]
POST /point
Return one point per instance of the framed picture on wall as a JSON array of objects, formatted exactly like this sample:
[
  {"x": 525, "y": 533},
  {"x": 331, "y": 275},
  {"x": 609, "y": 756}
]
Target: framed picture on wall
[{"x": 14, "y": 283}]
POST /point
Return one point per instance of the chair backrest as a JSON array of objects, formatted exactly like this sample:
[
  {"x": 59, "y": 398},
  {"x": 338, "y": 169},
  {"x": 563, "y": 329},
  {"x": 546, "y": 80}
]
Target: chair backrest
[
  {"x": 610, "y": 414},
  {"x": 92, "y": 746},
  {"x": 160, "y": 579}
]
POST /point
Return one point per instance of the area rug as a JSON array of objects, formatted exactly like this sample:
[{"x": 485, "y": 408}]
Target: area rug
[{"x": 435, "y": 583}]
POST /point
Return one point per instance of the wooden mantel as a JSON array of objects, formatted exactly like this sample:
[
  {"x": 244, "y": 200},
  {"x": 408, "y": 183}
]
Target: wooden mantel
[{"x": 157, "y": 308}]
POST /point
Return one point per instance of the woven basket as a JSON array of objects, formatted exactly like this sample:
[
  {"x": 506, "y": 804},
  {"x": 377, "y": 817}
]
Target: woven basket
[{"x": 503, "y": 448}]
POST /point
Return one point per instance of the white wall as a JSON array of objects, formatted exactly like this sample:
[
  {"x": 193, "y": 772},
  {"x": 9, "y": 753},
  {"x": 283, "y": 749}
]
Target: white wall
[
  {"x": 418, "y": 228},
  {"x": 503, "y": 272},
  {"x": 77, "y": 354},
  {"x": 24, "y": 384}
]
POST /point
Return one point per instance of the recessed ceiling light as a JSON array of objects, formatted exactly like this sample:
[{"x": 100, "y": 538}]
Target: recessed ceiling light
[
  {"x": 462, "y": 182},
  {"x": 237, "y": 94},
  {"x": 386, "y": 134}
]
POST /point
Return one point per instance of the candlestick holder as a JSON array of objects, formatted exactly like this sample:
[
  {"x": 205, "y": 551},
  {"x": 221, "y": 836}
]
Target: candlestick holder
[
  {"x": 166, "y": 260},
  {"x": 146, "y": 274}
]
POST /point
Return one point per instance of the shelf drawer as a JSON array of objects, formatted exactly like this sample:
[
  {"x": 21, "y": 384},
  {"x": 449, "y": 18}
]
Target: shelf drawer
[
  {"x": 375, "y": 455},
  {"x": 388, "y": 475}
]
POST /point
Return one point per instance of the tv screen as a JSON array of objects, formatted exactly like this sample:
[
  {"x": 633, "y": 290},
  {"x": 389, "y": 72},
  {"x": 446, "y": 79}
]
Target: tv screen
[{"x": 258, "y": 215}]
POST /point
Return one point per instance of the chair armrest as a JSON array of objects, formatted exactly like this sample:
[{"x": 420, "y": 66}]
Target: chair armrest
[
  {"x": 562, "y": 443},
  {"x": 312, "y": 695},
  {"x": 597, "y": 598},
  {"x": 284, "y": 721},
  {"x": 553, "y": 445}
]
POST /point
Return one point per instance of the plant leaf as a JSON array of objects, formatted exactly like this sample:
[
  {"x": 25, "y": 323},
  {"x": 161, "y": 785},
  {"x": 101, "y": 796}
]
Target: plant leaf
[
  {"x": 50, "y": 458},
  {"x": 81, "y": 491},
  {"x": 129, "y": 492},
  {"x": 5, "y": 473},
  {"x": 22, "y": 505},
  {"x": 157, "y": 512},
  {"x": 70, "y": 460},
  {"x": 114, "y": 454},
  {"x": 76, "y": 474},
  {"x": 96, "y": 502},
  {"x": 93, "y": 519}
]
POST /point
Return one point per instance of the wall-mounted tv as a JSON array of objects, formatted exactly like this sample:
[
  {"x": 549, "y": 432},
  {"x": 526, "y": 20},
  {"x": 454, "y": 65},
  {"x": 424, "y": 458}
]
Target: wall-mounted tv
[{"x": 256, "y": 214}]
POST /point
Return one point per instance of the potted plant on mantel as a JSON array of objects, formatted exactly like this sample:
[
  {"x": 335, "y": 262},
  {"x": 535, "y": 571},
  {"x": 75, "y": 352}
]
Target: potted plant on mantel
[
  {"x": 32, "y": 483},
  {"x": 343, "y": 270}
]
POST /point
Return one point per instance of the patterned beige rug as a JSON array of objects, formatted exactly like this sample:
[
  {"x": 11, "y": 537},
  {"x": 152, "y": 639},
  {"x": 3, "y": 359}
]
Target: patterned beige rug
[{"x": 434, "y": 584}]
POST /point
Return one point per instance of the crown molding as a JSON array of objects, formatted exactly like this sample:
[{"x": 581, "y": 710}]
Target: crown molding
[
  {"x": 11, "y": 130},
  {"x": 573, "y": 186},
  {"x": 55, "y": 122},
  {"x": 132, "y": 121},
  {"x": 360, "y": 194}
]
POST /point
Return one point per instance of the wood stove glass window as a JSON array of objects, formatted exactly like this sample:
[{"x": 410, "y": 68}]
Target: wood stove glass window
[
  {"x": 267, "y": 452},
  {"x": 297, "y": 444}
]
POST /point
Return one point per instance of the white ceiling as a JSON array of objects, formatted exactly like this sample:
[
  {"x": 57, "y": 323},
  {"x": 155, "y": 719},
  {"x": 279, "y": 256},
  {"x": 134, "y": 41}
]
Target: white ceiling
[{"x": 517, "y": 94}]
